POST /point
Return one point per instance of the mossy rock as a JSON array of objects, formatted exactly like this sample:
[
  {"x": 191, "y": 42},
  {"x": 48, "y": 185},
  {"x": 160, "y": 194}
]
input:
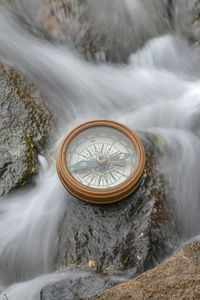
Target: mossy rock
[{"x": 25, "y": 124}]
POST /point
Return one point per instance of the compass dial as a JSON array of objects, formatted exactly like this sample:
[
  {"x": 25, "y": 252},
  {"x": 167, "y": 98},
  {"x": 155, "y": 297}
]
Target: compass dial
[
  {"x": 101, "y": 161},
  {"x": 101, "y": 157}
]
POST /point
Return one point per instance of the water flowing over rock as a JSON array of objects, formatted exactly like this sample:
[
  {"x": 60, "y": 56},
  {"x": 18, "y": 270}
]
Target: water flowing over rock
[
  {"x": 103, "y": 30},
  {"x": 79, "y": 284},
  {"x": 25, "y": 122},
  {"x": 176, "y": 278},
  {"x": 106, "y": 30}
]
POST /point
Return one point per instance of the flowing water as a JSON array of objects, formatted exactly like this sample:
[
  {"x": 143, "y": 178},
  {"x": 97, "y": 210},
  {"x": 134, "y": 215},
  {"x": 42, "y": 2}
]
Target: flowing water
[{"x": 157, "y": 90}]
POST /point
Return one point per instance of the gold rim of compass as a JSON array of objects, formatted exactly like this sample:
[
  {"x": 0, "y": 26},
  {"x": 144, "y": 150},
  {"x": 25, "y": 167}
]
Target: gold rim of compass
[{"x": 95, "y": 195}]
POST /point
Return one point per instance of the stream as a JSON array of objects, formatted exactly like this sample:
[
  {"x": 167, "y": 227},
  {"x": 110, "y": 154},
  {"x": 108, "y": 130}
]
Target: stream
[{"x": 156, "y": 90}]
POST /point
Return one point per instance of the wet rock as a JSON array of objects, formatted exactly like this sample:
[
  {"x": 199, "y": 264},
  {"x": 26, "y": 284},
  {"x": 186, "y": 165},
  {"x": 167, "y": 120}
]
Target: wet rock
[
  {"x": 68, "y": 21},
  {"x": 1, "y": 289},
  {"x": 176, "y": 278},
  {"x": 25, "y": 123},
  {"x": 127, "y": 237},
  {"x": 79, "y": 284},
  {"x": 105, "y": 30},
  {"x": 186, "y": 18}
]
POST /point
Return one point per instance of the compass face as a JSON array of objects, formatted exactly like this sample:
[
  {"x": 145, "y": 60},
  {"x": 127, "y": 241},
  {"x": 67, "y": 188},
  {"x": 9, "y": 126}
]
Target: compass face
[
  {"x": 101, "y": 157},
  {"x": 101, "y": 161}
]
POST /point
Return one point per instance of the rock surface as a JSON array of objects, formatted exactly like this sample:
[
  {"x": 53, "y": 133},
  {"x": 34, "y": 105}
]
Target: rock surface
[
  {"x": 176, "y": 278},
  {"x": 130, "y": 236},
  {"x": 118, "y": 240},
  {"x": 79, "y": 284},
  {"x": 187, "y": 18},
  {"x": 25, "y": 122}
]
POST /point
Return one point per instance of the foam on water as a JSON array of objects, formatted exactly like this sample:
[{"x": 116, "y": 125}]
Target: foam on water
[{"x": 28, "y": 225}]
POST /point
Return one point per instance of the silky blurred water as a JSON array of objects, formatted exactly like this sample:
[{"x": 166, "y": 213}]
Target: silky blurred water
[{"x": 157, "y": 91}]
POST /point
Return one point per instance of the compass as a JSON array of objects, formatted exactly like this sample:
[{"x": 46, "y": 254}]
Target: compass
[{"x": 101, "y": 161}]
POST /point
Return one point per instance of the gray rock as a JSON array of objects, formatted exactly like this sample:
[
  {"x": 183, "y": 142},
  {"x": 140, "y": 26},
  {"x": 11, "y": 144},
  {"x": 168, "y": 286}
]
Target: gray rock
[
  {"x": 25, "y": 123},
  {"x": 127, "y": 237},
  {"x": 187, "y": 18},
  {"x": 79, "y": 284}
]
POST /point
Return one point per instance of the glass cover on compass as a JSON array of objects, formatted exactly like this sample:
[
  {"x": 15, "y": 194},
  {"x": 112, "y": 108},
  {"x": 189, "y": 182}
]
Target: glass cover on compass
[{"x": 101, "y": 157}]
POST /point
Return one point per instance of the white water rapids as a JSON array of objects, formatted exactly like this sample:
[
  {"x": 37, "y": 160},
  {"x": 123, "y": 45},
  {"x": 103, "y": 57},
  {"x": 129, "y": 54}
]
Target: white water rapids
[{"x": 158, "y": 91}]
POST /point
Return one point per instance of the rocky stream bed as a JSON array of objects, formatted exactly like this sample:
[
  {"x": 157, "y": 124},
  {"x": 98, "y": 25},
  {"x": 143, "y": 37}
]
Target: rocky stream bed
[{"x": 128, "y": 248}]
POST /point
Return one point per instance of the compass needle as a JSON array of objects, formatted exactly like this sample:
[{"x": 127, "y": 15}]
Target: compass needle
[
  {"x": 113, "y": 177},
  {"x": 102, "y": 147},
  {"x": 99, "y": 181},
  {"x": 89, "y": 152}
]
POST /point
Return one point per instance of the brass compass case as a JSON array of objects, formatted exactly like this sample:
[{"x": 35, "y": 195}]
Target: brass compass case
[{"x": 101, "y": 161}]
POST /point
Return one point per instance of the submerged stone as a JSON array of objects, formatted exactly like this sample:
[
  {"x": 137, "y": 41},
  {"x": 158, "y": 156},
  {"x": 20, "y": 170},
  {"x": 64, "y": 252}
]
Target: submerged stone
[{"x": 25, "y": 123}]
